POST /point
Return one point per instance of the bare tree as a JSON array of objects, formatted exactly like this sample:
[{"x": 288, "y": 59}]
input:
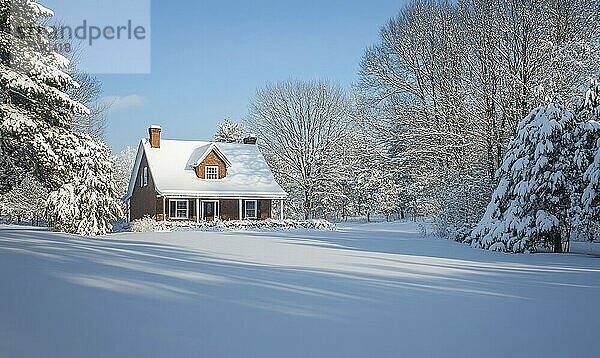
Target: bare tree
[
  {"x": 302, "y": 129},
  {"x": 90, "y": 94},
  {"x": 448, "y": 82}
]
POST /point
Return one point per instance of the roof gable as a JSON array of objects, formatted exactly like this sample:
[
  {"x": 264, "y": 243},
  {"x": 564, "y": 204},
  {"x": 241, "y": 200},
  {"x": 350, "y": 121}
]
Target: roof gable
[{"x": 199, "y": 154}]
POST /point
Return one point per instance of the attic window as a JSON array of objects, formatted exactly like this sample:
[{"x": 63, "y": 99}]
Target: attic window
[
  {"x": 211, "y": 172},
  {"x": 144, "y": 178}
]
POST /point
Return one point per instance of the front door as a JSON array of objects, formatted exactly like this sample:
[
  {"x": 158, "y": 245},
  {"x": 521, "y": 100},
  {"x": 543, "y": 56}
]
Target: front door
[{"x": 210, "y": 210}]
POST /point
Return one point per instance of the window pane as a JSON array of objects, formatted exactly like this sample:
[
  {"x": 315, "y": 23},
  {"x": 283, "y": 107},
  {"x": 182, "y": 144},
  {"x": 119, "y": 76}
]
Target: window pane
[
  {"x": 250, "y": 209},
  {"x": 182, "y": 205},
  {"x": 211, "y": 172}
]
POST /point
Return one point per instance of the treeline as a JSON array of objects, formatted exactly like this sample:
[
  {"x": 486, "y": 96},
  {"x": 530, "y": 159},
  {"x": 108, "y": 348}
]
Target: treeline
[
  {"x": 449, "y": 82},
  {"x": 438, "y": 99}
]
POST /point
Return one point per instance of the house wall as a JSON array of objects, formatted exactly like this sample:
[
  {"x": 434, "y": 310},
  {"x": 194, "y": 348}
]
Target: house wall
[
  {"x": 212, "y": 159},
  {"x": 264, "y": 209},
  {"x": 229, "y": 209},
  {"x": 143, "y": 201}
]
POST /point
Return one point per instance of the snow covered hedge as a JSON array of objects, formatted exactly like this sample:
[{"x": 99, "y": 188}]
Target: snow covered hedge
[{"x": 148, "y": 224}]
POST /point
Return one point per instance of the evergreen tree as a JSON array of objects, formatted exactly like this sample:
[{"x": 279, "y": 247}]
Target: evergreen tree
[
  {"x": 35, "y": 132},
  {"x": 588, "y": 155},
  {"x": 87, "y": 205},
  {"x": 532, "y": 203}
]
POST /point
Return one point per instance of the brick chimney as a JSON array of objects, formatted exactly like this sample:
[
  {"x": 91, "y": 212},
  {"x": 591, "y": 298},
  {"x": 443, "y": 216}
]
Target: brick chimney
[
  {"x": 251, "y": 139},
  {"x": 154, "y": 132}
]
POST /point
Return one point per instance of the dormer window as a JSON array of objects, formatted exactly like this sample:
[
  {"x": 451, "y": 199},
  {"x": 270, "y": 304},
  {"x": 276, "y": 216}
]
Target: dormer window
[
  {"x": 211, "y": 172},
  {"x": 209, "y": 162}
]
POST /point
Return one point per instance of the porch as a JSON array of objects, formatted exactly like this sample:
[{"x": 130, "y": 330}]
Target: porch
[{"x": 208, "y": 209}]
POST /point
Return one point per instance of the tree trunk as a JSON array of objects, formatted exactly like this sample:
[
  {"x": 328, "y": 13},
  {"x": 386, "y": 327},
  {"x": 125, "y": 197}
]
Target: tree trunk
[
  {"x": 557, "y": 243},
  {"x": 307, "y": 205}
]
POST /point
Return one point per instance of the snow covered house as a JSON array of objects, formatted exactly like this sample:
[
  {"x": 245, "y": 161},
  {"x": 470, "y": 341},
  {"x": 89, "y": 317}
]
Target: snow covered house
[{"x": 199, "y": 180}]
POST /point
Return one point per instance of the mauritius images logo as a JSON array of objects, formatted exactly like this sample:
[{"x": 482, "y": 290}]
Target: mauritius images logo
[{"x": 109, "y": 36}]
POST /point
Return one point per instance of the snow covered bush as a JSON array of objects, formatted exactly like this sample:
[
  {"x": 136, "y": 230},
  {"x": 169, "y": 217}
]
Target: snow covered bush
[
  {"x": 270, "y": 224},
  {"x": 148, "y": 224}
]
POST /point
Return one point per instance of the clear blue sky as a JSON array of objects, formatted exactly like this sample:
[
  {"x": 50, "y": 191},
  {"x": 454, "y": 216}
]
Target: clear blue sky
[{"x": 208, "y": 58}]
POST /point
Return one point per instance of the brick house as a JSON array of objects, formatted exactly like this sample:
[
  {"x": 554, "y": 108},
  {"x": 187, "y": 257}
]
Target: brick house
[{"x": 199, "y": 180}]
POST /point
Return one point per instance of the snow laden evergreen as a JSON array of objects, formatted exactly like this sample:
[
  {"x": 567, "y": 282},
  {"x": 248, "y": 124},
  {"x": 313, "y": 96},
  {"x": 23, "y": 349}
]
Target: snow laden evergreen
[
  {"x": 547, "y": 182},
  {"x": 229, "y": 131},
  {"x": 35, "y": 131},
  {"x": 588, "y": 157},
  {"x": 529, "y": 205},
  {"x": 88, "y": 204}
]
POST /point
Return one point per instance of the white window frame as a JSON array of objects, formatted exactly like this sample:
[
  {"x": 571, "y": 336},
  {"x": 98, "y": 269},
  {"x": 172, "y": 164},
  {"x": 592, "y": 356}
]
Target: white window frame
[
  {"x": 255, "y": 216},
  {"x": 187, "y": 209},
  {"x": 216, "y": 173},
  {"x": 144, "y": 178}
]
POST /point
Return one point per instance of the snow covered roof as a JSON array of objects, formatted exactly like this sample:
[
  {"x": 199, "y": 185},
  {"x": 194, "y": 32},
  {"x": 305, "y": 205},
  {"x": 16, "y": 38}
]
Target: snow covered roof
[{"x": 172, "y": 169}]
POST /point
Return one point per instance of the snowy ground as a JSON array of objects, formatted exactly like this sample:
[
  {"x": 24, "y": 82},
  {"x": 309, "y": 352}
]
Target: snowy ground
[{"x": 378, "y": 290}]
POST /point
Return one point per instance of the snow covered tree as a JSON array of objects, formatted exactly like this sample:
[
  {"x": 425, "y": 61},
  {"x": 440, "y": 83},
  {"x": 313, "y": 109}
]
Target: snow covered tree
[
  {"x": 26, "y": 200},
  {"x": 532, "y": 203},
  {"x": 587, "y": 157},
  {"x": 303, "y": 129},
  {"x": 36, "y": 134},
  {"x": 388, "y": 197},
  {"x": 448, "y": 83},
  {"x": 229, "y": 131},
  {"x": 89, "y": 204},
  {"x": 123, "y": 166},
  {"x": 33, "y": 103},
  {"x": 89, "y": 93},
  {"x": 124, "y": 162}
]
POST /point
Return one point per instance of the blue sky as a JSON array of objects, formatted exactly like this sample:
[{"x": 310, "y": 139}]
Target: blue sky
[{"x": 208, "y": 58}]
